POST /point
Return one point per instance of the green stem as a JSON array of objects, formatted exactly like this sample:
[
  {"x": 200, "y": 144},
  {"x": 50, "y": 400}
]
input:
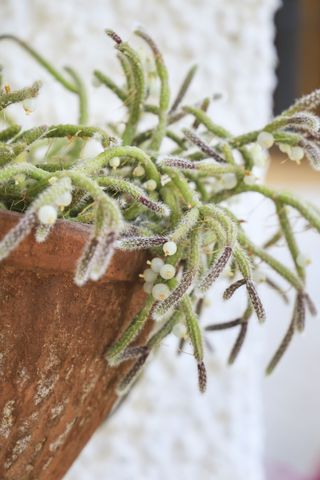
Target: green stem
[
  {"x": 184, "y": 88},
  {"x": 182, "y": 185},
  {"x": 159, "y": 131},
  {"x": 93, "y": 188},
  {"x": 131, "y": 332},
  {"x": 290, "y": 239},
  {"x": 63, "y": 131},
  {"x": 43, "y": 62},
  {"x": 7, "y": 99},
  {"x": 82, "y": 94},
  {"x": 204, "y": 119},
  {"x": 107, "y": 82},
  {"x": 193, "y": 327},
  {"x": 270, "y": 260},
  {"x": 135, "y": 105},
  {"x": 94, "y": 165},
  {"x": 9, "y": 172},
  {"x": 285, "y": 198},
  {"x": 9, "y": 132}
]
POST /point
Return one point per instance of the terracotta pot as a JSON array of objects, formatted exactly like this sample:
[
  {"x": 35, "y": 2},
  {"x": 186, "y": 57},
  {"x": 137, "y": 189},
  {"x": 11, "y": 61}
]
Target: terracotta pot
[{"x": 55, "y": 386}]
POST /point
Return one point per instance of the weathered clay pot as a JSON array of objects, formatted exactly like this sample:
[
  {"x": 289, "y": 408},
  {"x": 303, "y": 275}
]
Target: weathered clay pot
[{"x": 55, "y": 386}]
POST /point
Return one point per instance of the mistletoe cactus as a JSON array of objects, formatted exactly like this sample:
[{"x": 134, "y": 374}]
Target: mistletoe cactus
[{"x": 164, "y": 189}]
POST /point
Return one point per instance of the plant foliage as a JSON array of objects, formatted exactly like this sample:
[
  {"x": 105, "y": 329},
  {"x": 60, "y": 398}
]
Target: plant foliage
[{"x": 165, "y": 189}]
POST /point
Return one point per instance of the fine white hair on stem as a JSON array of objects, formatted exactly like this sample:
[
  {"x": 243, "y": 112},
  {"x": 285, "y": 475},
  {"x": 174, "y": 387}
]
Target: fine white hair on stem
[
  {"x": 202, "y": 145},
  {"x": 140, "y": 243},
  {"x": 216, "y": 269},
  {"x": 17, "y": 234},
  {"x": 176, "y": 162},
  {"x": 256, "y": 301},
  {"x": 82, "y": 273},
  {"x": 312, "y": 152},
  {"x": 228, "y": 293},
  {"x": 175, "y": 297},
  {"x": 42, "y": 233},
  {"x": 309, "y": 102}
]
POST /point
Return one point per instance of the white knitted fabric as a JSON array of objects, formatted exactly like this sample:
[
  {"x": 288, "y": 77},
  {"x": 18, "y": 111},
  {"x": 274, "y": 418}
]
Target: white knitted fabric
[{"x": 166, "y": 429}]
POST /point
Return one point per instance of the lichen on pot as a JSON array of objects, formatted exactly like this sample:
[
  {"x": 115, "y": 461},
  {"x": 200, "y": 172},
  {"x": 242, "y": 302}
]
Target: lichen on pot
[{"x": 165, "y": 189}]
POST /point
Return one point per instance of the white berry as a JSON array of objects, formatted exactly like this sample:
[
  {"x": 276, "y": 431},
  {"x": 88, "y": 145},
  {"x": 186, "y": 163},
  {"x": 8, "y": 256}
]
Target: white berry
[
  {"x": 284, "y": 147},
  {"x": 156, "y": 264},
  {"x": 303, "y": 261},
  {"x": 114, "y": 162},
  {"x": 167, "y": 271},
  {"x": 150, "y": 185},
  {"x": 296, "y": 154},
  {"x": 47, "y": 214},
  {"x": 64, "y": 199},
  {"x": 29, "y": 105},
  {"x": 265, "y": 139},
  {"x": 179, "y": 330},
  {"x": 139, "y": 171},
  {"x": 229, "y": 180},
  {"x": 147, "y": 287},
  {"x": 169, "y": 248},
  {"x": 216, "y": 187},
  {"x": 149, "y": 275},
  {"x": 160, "y": 291}
]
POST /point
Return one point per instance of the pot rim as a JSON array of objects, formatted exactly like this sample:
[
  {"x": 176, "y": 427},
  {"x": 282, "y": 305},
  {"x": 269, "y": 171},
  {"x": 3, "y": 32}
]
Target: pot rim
[{"x": 61, "y": 251}]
